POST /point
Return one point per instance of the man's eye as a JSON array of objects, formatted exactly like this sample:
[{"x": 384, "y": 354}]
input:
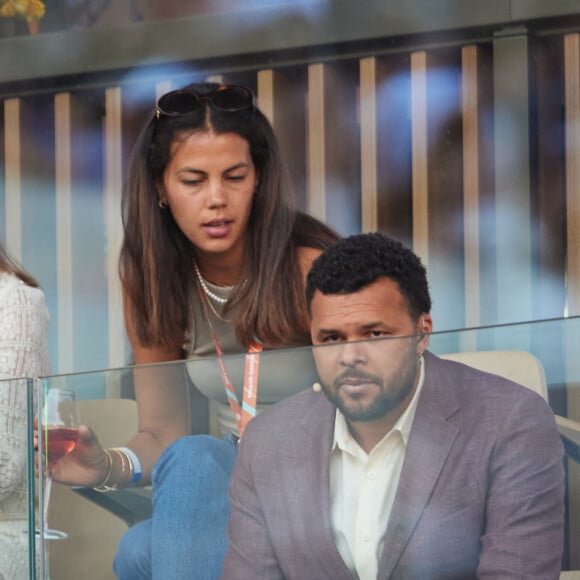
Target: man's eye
[{"x": 378, "y": 333}]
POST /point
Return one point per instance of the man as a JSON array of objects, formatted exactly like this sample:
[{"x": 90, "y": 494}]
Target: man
[{"x": 406, "y": 466}]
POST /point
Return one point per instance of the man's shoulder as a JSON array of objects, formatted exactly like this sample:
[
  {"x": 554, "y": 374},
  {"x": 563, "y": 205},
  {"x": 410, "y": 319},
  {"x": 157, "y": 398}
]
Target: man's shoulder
[
  {"x": 465, "y": 374},
  {"x": 306, "y": 408},
  {"x": 484, "y": 391},
  {"x": 287, "y": 409}
]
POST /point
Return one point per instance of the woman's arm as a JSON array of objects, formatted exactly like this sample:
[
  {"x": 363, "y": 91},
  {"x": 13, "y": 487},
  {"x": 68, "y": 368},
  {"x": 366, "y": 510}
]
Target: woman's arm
[
  {"x": 161, "y": 393},
  {"x": 162, "y": 398}
]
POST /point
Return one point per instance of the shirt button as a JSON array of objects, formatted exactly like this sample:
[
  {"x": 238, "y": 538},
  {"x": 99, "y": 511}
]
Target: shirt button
[
  {"x": 366, "y": 537},
  {"x": 371, "y": 475}
]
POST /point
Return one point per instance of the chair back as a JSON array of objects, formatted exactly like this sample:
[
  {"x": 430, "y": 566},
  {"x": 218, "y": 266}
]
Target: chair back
[{"x": 516, "y": 365}]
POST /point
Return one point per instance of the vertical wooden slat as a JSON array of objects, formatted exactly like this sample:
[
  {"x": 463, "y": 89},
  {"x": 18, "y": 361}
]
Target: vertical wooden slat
[
  {"x": 13, "y": 174},
  {"x": 266, "y": 93},
  {"x": 316, "y": 192},
  {"x": 368, "y": 129},
  {"x": 572, "y": 117},
  {"x": 572, "y": 86},
  {"x": 281, "y": 97},
  {"x": 469, "y": 95},
  {"x": 62, "y": 113},
  {"x": 334, "y": 177},
  {"x": 112, "y": 206},
  {"x": 437, "y": 182},
  {"x": 386, "y": 145},
  {"x": 513, "y": 147},
  {"x": 550, "y": 211},
  {"x": 420, "y": 157}
]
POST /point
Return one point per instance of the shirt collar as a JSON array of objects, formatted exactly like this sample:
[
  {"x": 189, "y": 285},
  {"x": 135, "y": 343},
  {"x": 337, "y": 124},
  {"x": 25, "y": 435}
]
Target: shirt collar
[{"x": 343, "y": 439}]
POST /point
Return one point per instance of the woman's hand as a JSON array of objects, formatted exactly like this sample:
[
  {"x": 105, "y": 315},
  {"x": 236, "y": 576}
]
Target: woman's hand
[{"x": 86, "y": 464}]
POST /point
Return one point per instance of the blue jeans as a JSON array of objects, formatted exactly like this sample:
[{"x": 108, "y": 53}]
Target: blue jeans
[{"x": 187, "y": 535}]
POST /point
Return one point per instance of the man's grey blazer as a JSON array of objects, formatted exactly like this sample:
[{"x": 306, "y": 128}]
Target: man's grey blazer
[{"x": 480, "y": 493}]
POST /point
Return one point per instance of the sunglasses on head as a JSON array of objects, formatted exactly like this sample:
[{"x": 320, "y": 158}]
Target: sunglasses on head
[{"x": 225, "y": 98}]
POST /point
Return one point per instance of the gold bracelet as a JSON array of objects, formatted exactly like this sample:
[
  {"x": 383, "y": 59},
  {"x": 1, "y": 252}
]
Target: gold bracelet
[
  {"x": 104, "y": 485},
  {"x": 126, "y": 468},
  {"x": 125, "y": 461},
  {"x": 124, "y": 457}
]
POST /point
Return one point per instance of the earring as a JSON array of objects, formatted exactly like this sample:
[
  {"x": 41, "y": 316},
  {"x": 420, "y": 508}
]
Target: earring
[
  {"x": 316, "y": 387},
  {"x": 162, "y": 203}
]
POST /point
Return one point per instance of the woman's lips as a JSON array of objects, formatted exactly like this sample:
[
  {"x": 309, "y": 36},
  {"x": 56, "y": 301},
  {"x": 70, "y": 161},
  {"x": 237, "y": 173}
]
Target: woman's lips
[{"x": 217, "y": 229}]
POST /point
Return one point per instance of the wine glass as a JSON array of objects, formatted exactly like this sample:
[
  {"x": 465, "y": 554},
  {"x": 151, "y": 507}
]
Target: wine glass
[{"x": 58, "y": 429}]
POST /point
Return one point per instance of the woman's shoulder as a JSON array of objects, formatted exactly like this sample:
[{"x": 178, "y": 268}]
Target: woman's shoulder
[
  {"x": 311, "y": 232},
  {"x": 306, "y": 256},
  {"x": 14, "y": 291},
  {"x": 12, "y": 287}
]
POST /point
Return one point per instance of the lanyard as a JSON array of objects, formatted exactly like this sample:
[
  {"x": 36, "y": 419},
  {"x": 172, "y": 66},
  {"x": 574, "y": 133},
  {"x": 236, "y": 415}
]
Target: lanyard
[{"x": 245, "y": 412}]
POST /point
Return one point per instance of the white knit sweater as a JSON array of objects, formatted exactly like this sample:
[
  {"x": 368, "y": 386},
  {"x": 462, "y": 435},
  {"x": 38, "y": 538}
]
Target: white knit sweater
[{"x": 23, "y": 353}]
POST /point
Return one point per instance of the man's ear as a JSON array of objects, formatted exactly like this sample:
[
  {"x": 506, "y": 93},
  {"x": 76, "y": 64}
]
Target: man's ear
[{"x": 424, "y": 329}]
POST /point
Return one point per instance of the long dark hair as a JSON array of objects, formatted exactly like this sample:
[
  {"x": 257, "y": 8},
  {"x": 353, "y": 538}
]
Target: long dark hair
[
  {"x": 157, "y": 258},
  {"x": 11, "y": 266}
]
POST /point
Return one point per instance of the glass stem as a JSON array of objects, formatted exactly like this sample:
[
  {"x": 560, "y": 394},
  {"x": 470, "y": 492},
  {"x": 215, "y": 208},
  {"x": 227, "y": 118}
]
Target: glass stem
[{"x": 45, "y": 499}]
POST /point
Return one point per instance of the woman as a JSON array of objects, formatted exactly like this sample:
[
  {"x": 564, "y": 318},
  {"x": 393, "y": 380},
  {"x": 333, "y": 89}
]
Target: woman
[
  {"x": 214, "y": 259},
  {"x": 23, "y": 353}
]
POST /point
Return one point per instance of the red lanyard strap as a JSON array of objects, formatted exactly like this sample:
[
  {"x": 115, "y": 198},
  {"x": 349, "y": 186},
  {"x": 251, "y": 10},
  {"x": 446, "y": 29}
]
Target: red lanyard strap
[{"x": 245, "y": 412}]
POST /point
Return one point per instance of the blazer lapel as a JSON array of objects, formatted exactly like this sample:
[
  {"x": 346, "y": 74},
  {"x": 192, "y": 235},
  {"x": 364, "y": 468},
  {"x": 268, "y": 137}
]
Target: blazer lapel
[
  {"x": 429, "y": 444},
  {"x": 315, "y": 445}
]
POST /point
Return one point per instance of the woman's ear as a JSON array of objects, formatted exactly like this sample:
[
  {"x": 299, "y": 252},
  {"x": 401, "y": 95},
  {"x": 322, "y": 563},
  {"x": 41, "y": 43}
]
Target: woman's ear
[
  {"x": 162, "y": 198},
  {"x": 161, "y": 195}
]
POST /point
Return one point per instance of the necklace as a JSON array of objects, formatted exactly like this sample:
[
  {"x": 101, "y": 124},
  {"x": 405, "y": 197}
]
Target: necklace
[
  {"x": 204, "y": 287},
  {"x": 217, "y": 314}
]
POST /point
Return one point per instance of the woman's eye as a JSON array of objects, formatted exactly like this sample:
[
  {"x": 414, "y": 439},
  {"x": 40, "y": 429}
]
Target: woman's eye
[
  {"x": 191, "y": 182},
  {"x": 235, "y": 178}
]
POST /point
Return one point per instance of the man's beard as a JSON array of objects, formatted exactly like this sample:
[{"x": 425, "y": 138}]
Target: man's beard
[{"x": 387, "y": 398}]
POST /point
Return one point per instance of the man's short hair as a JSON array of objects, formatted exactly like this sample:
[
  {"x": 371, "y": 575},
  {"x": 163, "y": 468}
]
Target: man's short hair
[{"x": 357, "y": 261}]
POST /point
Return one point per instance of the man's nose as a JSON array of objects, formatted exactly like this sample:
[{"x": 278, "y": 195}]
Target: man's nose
[{"x": 352, "y": 353}]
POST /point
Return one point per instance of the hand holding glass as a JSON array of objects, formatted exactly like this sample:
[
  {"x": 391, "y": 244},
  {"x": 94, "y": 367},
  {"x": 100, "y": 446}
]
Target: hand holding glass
[{"x": 58, "y": 427}]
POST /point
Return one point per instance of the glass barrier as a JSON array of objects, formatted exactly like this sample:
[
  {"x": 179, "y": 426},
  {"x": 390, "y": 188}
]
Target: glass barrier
[
  {"x": 18, "y": 500},
  {"x": 93, "y": 522}
]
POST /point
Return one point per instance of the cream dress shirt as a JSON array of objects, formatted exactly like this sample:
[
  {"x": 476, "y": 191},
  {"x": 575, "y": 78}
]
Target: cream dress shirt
[{"x": 363, "y": 489}]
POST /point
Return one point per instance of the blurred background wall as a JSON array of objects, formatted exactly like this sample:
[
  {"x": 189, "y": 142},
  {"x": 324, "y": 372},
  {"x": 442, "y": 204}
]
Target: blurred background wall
[{"x": 452, "y": 125}]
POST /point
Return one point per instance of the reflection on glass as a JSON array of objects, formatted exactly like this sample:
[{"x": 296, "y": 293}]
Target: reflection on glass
[
  {"x": 106, "y": 405},
  {"x": 17, "y": 499}
]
